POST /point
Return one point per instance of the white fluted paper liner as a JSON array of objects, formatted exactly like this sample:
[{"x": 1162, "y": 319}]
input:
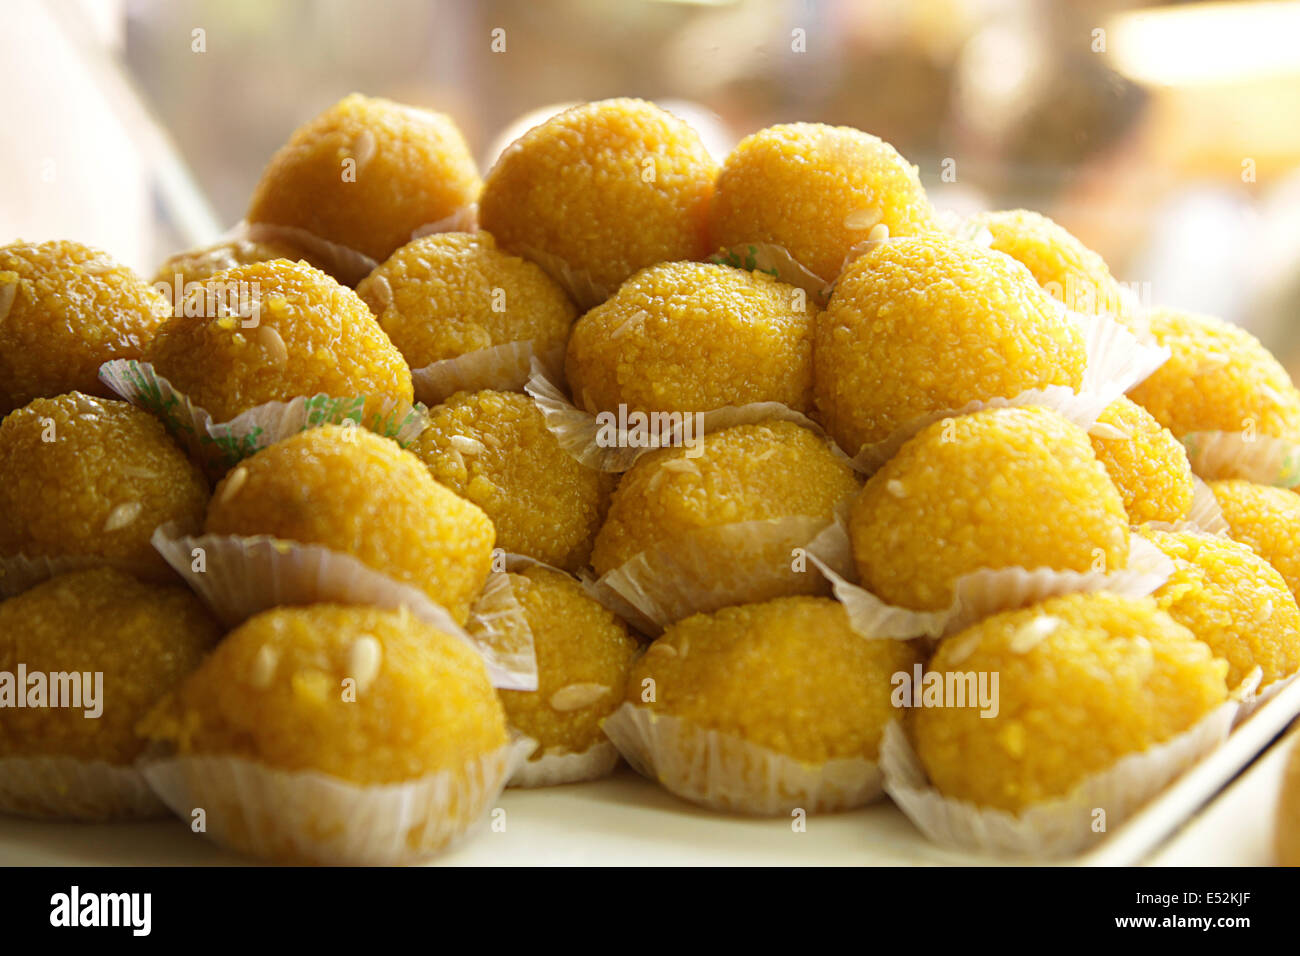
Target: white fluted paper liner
[
  {"x": 497, "y": 621},
  {"x": 506, "y": 368},
  {"x": 346, "y": 265},
  {"x": 462, "y": 219},
  {"x": 1116, "y": 362},
  {"x": 594, "y": 445},
  {"x": 1204, "y": 516},
  {"x": 777, "y": 261},
  {"x": 68, "y": 788},
  {"x": 1054, "y": 828},
  {"x": 244, "y": 576},
  {"x": 310, "y": 817},
  {"x": 19, "y": 573},
  {"x": 980, "y": 593},
  {"x": 1263, "y": 459},
  {"x": 712, "y": 568},
  {"x": 585, "y": 291},
  {"x": 1252, "y": 696},
  {"x": 224, "y": 444},
  {"x": 725, "y": 772},
  {"x": 554, "y": 768}
]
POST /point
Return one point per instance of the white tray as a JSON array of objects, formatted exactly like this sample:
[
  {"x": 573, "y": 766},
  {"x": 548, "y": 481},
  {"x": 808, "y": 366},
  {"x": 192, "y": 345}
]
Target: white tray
[{"x": 627, "y": 820}]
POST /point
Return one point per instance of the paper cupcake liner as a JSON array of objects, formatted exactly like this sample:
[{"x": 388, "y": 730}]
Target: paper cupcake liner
[
  {"x": 711, "y": 568},
  {"x": 19, "y": 573},
  {"x": 506, "y": 368},
  {"x": 244, "y": 576},
  {"x": 497, "y": 622},
  {"x": 1252, "y": 696},
  {"x": 777, "y": 261},
  {"x": 463, "y": 219},
  {"x": 68, "y": 788},
  {"x": 980, "y": 593},
  {"x": 221, "y": 445},
  {"x": 586, "y": 440},
  {"x": 1055, "y": 828},
  {"x": 310, "y": 817},
  {"x": 1116, "y": 363},
  {"x": 1204, "y": 516},
  {"x": 553, "y": 768},
  {"x": 725, "y": 772},
  {"x": 585, "y": 291},
  {"x": 1262, "y": 459},
  {"x": 346, "y": 265}
]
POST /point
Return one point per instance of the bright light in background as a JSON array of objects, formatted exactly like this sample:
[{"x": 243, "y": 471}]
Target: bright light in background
[{"x": 1206, "y": 43}]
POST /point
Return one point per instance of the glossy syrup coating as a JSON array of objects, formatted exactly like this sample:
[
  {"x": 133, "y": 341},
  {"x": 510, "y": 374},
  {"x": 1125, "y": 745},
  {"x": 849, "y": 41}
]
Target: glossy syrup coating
[
  {"x": 93, "y": 476},
  {"x": 494, "y": 449},
  {"x": 1083, "y": 680},
  {"x": 1219, "y": 378},
  {"x": 304, "y": 335},
  {"x": 601, "y": 191},
  {"x": 754, "y": 472},
  {"x": 65, "y": 309},
  {"x": 352, "y": 491},
  {"x": 584, "y": 653},
  {"x": 1146, "y": 463},
  {"x": 367, "y": 695},
  {"x": 1267, "y": 519},
  {"x": 142, "y": 638},
  {"x": 789, "y": 674},
  {"x": 817, "y": 191},
  {"x": 444, "y": 295},
  {"x": 686, "y": 336},
  {"x": 922, "y": 325},
  {"x": 1013, "y": 487},
  {"x": 367, "y": 173},
  {"x": 1234, "y": 601}
]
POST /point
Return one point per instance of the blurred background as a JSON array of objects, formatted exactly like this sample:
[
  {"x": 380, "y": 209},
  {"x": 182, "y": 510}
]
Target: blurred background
[{"x": 1163, "y": 135}]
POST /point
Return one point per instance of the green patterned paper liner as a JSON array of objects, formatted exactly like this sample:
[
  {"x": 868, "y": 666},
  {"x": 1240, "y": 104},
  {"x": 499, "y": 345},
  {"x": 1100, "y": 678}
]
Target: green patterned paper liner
[
  {"x": 225, "y": 444},
  {"x": 1263, "y": 459}
]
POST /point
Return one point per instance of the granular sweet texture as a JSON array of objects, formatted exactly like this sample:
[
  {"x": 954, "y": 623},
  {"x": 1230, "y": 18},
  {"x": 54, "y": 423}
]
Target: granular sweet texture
[
  {"x": 684, "y": 336},
  {"x": 1083, "y": 680},
  {"x": 1268, "y": 520},
  {"x": 66, "y": 309},
  {"x": 1010, "y": 487},
  {"x": 352, "y": 491},
  {"x": 1147, "y": 464}
]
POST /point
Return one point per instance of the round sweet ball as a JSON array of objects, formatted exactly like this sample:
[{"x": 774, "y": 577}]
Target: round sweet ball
[
  {"x": 94, "y": 477},
  {"x": 66, "y": 309},
  {"x": 274, "y": 331},
  {"x": 120, "y": 645},
  {"x": 1010, "y": 487},
  {"x": 600, "y": 191},
  {"x": 1266, "y": 519},
  {"x": 363, "y": 694},
  {"x": 1234, "y": 601},
  {"x": 1082, "y": 681},
  {"x": 494, "y": 449},
  {"x": 1067, "y": 269},
  {"x": 817, "y": 191},
  {"x": 359, "y": 494},
  {"x": 366, "y": 174},
  {"x": 790, "y": 675},
  {"x": 584, "y": 653},
  {"x": 1219, "y": 378},
  {"x": 1147, "y": 464},
  {"x": 927, "y": 324},
  {"x": 747, "y": 473},
  {"x": 686, "y": 336},
  {"x": 444, "y": 295},
  {"x": 193, "y": 266}
]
